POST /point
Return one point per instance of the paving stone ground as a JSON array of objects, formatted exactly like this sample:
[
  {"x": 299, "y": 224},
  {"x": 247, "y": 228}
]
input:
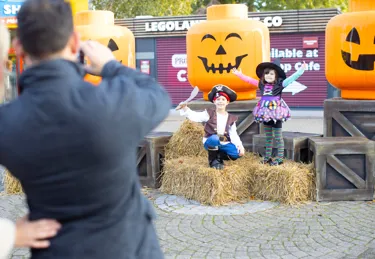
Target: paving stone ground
[
  {"x": 180, "y": 205},
  {"x": 267, "y": 230}
]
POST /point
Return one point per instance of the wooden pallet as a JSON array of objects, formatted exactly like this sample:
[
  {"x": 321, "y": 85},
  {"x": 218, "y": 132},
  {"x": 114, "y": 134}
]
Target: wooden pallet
[
  {"x": 150, "y": 158},
  {"x": 295, "y": 145},
  {"x": 349, "y": 118},
  {"x": 344, "y": 168}
]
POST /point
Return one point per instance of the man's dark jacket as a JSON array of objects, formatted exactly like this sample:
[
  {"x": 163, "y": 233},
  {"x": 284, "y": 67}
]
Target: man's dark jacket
[{"x": 73, "y": 147}]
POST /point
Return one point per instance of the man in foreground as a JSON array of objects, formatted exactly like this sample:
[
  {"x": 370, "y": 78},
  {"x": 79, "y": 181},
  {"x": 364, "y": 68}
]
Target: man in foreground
[
  {"x": 73, "y": 146},
  {"x": 23, "y": 233}
]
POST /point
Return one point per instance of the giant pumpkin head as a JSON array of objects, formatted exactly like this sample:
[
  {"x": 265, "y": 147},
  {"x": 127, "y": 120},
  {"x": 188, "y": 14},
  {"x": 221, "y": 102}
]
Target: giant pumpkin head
[
  {"x": 350, "y": 54},
  {"x": 227, "y": 40},
  {"x": 361, "y": 5},
  {"x": 99, "y": 26}
]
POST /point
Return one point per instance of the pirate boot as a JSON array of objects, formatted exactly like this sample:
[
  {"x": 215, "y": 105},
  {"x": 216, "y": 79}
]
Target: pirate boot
[
  {"x": 213, "y": 160},
  {"x": 220, "y": 158}
]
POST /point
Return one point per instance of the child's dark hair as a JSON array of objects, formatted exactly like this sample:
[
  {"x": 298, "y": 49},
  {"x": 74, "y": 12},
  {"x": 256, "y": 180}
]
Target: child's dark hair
[{"x": 266, "y": 71}]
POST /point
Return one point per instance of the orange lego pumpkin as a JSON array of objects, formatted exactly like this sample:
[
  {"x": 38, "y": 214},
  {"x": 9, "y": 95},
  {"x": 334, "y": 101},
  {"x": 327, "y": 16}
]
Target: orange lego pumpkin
[
  {"x": 227, "y": 40},
  {"x": 99, "y": 26},
  {"x": 361, "y": 5},
  {"x": 350, "y": 53}
]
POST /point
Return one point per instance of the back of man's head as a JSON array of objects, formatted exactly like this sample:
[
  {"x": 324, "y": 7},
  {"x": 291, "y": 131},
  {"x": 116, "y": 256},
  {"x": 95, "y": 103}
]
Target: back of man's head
[{"x": 44, "y": 27}]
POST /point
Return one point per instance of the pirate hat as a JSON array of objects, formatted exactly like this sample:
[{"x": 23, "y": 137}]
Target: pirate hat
[
  {"x": 223, "y": 90},
  {"x": 273, "y": 65}
]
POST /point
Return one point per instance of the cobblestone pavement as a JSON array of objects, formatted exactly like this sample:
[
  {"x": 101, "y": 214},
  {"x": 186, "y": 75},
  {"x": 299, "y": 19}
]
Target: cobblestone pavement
[
  {"x": 180, "y": 205},
  {"x": 267, "y": 230}
]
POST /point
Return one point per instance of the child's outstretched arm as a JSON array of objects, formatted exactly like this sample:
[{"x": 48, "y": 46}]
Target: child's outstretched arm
[
  {"x": 192, "y": 115},
  {"x": 248, "y": 79},
  {"x": 295, "y": 76}
]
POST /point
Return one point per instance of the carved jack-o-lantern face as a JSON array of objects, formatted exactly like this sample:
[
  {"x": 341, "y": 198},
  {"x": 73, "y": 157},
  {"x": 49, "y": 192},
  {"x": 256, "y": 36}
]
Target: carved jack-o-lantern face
[
  {"x": 364, "y": 61},
  {"x": 221, "y": 52},
  {"x": 350, "y": 54},
  {"x": 112, "y": 45},
  {"x": 119, "y": 50},
  {"x": 215, "y": 47},
  {"x": 96, "y": 25}
]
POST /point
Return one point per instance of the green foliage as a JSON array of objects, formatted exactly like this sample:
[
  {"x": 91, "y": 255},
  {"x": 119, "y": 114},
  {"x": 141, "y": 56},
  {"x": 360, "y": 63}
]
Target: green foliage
[
  {"x": 263, "y": 5},
  {"x": 132, "y": 8},
  {"x": 269, "y": 5}
]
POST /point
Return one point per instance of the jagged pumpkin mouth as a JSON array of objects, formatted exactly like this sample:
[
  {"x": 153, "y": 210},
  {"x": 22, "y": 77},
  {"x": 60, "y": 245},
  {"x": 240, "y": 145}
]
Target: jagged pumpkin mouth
[
  {"x": 365, "y": 61},
  {"x": 221, "y": 68}
]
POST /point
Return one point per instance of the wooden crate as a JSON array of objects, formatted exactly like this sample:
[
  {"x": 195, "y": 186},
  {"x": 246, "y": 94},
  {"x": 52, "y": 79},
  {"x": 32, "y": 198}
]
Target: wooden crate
[
  {"x": 150, "y": 158},
  {"x": 246, "y": 126},
  {"x": 295, "y": 145},
  {"x": 344, "y": 168},
  {"x": 349, "y": 118}
]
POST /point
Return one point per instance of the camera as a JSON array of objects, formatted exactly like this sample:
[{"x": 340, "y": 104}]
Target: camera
[{"x": 81, "y": 57}]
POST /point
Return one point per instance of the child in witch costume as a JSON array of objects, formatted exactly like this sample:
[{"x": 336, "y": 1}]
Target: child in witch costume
[
  {"x": 221, "y": 139},
  {"x": 271, "y": 110}
]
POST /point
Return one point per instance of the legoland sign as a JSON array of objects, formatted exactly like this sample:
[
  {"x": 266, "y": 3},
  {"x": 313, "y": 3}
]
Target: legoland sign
[{"x": 270, "y": 21}]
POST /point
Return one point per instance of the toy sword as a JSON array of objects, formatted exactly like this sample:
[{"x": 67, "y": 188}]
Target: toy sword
[{"x": 192, "y": 95}]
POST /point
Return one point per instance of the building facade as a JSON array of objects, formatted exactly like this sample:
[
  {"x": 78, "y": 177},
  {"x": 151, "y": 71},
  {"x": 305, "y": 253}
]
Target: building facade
[{"x": 296, "y": 36}]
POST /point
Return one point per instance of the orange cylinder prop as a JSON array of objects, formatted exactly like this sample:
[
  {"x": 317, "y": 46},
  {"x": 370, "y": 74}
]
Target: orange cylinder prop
[
  {"x": 350, "y": 52},
  {"x": 227, "y": 40},
  {"x": 99, "y": 26},
  {"x": 361, "y": 5}
]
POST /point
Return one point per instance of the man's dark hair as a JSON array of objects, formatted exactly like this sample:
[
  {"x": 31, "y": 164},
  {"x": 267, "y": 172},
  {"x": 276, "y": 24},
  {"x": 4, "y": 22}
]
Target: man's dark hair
[{"x": 44, "y": 26}]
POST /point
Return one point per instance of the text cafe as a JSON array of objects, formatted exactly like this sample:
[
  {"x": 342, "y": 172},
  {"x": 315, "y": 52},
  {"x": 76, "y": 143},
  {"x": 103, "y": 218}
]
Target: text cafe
[{"x": 296, "y": 36}]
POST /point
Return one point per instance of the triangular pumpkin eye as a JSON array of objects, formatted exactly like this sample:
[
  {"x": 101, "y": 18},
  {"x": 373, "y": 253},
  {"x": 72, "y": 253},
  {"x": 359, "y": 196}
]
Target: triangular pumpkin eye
[
  {"x": 353, "y": 36},
  {"x": 112, "y": 45}
]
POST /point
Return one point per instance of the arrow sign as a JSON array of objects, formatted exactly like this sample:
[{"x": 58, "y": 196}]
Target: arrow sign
[{"x": 294, "y": 88}]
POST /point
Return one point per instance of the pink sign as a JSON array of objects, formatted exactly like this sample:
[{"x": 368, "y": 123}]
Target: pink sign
[{"x": 145, "y": 66}]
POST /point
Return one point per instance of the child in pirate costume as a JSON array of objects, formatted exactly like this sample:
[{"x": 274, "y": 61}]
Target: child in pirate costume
[
  {"x": 271, "y": 110},
  {"x": 221, "y": 139}
]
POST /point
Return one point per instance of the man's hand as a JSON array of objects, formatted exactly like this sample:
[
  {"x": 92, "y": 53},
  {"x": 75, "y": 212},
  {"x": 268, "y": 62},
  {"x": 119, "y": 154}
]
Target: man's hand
[
  {"x": 98, "y": 55},
  {"x": 34, "y": 233}
]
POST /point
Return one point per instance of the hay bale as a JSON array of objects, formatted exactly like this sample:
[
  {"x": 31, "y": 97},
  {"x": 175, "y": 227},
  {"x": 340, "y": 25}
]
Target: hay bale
[
  {"x": 192, "y": 178},
  {"x": 11, "y": 184},
  {"x": 186, "y": 141},
  {"x": 291, "y": 183}
]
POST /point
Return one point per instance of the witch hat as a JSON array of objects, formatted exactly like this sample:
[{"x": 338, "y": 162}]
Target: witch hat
[{"x": 273, "y": 65}]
